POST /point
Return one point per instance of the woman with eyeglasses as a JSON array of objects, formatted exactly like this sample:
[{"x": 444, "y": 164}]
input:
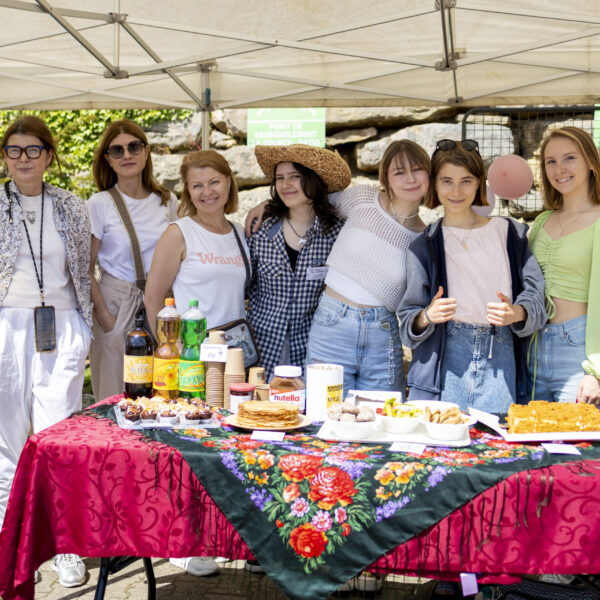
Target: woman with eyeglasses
[
  {"x": 122, "y": 166},
  {"x": 475, "y": 293},
  {"x": 45, "y": 312},
  {"x": 565, "y": 359}
]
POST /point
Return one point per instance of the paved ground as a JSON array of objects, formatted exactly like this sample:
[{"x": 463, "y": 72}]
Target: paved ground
[{"x": 172, "y": 583}]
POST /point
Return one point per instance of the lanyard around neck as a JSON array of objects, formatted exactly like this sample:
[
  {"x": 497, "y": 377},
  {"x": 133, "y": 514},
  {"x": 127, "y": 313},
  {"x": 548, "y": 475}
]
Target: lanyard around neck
[{"x": 39, "y": 275}]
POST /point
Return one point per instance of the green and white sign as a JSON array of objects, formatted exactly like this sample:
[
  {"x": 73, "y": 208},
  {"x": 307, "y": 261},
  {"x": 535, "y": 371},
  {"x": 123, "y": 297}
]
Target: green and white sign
[{"x": 284, "y": 126}]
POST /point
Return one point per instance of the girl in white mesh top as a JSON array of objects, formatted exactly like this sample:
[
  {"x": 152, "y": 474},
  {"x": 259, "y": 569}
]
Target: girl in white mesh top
[{"x": 355, "y": 324}]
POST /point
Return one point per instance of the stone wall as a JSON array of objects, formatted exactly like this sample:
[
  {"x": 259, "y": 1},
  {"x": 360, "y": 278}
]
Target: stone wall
[{"x": 360, "y": 135}]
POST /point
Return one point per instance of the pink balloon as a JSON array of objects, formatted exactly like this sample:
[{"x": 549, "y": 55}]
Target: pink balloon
[
  {"x": 485, "y": 211},
  {"x": 510, "y": 176}
]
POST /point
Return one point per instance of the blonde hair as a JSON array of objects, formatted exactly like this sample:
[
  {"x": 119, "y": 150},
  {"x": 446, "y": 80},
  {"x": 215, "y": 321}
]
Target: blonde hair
[
  {"x": 553, "y": 198},
  {"x": 105, "y": 177},
  {"x": 201, "y": 159}
]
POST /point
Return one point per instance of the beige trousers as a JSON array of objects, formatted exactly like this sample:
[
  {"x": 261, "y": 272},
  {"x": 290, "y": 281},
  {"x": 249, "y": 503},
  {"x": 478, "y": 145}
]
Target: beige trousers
[{"x": 123, "y": 300}]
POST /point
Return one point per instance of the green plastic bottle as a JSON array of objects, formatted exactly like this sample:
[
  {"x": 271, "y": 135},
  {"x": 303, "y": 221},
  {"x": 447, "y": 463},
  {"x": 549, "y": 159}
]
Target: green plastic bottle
[{"x": 191, "y": 368}]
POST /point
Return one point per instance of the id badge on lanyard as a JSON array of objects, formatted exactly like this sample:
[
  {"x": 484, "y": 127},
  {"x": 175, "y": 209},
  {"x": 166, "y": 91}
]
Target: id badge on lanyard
[
  {"x": 45, "y": 328},
  {"x": 44, "y": 317}
]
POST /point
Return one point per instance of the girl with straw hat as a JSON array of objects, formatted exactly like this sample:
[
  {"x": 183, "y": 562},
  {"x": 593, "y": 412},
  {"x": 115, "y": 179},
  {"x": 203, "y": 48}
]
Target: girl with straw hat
[{"x": 290, "y": 249}]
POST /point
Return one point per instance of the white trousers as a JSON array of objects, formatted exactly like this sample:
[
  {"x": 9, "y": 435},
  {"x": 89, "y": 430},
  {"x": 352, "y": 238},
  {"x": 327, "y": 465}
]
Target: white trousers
[{"x": 37, "y": 389}]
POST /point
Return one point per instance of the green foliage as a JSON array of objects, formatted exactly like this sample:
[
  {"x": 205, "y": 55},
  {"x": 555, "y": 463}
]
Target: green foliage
[{"x": 77, "y": 133}]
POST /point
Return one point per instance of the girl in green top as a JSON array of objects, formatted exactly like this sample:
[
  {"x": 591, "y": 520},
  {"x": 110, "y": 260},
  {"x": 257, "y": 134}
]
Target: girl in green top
[{"x": 565, "y": 359}]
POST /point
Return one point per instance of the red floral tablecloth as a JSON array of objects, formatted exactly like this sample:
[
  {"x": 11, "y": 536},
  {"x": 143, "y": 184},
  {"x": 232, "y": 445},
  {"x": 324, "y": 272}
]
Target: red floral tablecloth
[{"x": 88, "y": 487}]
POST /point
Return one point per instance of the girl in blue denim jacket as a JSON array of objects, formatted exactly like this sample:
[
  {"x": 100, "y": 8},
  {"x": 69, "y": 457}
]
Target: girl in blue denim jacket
[{"x": 474, "y": 293}]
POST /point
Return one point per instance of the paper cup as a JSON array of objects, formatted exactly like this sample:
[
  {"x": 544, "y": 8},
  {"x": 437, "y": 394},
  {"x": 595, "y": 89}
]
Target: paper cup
[
  {"x": 216, "y": 337},
  {"x": 324, "y": 387},
  {"x": 235, "y": 362},
  {"x": 256, "y": 376},
  {"x": 261, "y": 391}
]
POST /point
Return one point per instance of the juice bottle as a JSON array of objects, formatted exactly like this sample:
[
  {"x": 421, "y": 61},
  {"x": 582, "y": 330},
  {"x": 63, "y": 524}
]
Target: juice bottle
[
  {"x": 166, "y": 357},
  {"x": 191, "y": 368},
  {"x": 137, "y": 362}
]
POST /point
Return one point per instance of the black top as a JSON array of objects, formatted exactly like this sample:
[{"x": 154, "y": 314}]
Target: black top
[{"x": 292, "y": 255}]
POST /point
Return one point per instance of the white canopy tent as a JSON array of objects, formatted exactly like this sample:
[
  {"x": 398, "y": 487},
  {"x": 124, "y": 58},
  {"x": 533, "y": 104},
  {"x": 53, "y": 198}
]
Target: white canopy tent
[{"x": 63, "y": 54}]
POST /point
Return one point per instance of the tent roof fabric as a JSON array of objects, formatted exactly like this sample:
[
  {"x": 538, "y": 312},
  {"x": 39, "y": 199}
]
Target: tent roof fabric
[{"x": 61, "y": 54}]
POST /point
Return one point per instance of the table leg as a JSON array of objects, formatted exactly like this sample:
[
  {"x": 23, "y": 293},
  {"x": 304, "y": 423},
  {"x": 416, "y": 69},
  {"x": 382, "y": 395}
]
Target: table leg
[
  {"x": 112, "y": 565},
  {"x": 102, "y": 579},
  {"x": 150, "y": 578}
]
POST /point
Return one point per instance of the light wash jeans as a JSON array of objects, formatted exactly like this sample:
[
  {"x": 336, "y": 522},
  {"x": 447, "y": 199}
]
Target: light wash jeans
[
  {"x": 560, "y": 351},
  {"x": 469, "y": 377},
  {"x": 365, "y": 341}
]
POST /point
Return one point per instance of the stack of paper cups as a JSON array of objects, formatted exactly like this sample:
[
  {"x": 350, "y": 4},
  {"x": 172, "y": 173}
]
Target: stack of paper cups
[
  {"x": 234, "y": 372},
  {"x": 214, "y": 373},
  {"x": 324, "y": 387},
  {"x": 256, "y": 376}
]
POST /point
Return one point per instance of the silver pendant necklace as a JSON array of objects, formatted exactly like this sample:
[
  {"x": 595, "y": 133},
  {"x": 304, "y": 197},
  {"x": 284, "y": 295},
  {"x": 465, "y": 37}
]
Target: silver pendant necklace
[
  {"x": 31, "y": 216},
  {"x": 301, "y": 238}
]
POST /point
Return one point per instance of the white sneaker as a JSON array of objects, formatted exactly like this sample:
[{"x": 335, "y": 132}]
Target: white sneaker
[
  {"x": 200, "y": 566},
  {"x": 70, "y": 568}
]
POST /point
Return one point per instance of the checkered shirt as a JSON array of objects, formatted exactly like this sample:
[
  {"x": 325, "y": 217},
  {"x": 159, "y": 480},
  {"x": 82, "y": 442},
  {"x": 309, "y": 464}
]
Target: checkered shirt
[{"x": 282, "y": 301}]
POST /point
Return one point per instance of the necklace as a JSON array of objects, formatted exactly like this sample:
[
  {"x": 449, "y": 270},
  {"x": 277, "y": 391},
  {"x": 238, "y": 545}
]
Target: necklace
[
  {"x": 31, "y": 216},
  {"x": 301, "y": 238},
  {"x": 461, "y": 240},
  {"x": 562, "y": 229},
  {"x": 398, "y": 217}
]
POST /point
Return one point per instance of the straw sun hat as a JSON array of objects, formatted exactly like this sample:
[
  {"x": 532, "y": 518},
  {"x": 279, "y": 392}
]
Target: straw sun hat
[{"x": 330, "y": 166}]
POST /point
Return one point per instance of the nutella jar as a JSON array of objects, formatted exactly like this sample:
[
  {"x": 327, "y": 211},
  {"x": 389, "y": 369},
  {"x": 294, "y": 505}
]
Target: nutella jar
[
  {"x": 287, "y": 385},
  {"x": 238, "y": 393}
]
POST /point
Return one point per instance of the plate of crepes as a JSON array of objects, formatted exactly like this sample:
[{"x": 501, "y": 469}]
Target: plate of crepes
[
  {"x": 433, "y": 423},
  {"x": 159, "y": 412},
  {"x": 268, "y": 415},
  {"x": 542, "y": 421}
]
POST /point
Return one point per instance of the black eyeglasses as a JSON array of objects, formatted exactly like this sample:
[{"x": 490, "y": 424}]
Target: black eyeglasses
[
  {"x": 468, "y": 145},
  {"x": 117, "y": 151},
  {"x": 32, "y": 151}
]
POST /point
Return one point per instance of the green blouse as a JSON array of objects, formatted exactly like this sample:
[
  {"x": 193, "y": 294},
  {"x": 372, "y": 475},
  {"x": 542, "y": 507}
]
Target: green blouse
[{"x": 571, "y": 267}]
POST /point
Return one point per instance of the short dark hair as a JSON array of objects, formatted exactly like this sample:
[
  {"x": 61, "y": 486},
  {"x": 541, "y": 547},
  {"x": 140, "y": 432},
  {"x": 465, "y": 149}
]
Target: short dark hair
[
  {"x": 469, "y": 159},
  {"x": 30, "y": 125},
  {"x": 314, "y": 188}
]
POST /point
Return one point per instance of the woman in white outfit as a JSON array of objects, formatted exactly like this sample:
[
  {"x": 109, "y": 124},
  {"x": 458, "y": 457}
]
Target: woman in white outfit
[
  {"x": 45, "y": 313},
  {"x": 122, "y": 163}
]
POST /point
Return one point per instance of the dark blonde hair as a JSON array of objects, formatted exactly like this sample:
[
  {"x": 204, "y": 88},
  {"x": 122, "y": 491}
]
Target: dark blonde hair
[
  {"x": 401, "y": 150},
  {"x": 201, "y": 159},
  {"x": 105, "y": 177},
  {"x": 553, "y": 198},
  {"x": 470, "y": 160},
  {"x": 30, "y": 125}
]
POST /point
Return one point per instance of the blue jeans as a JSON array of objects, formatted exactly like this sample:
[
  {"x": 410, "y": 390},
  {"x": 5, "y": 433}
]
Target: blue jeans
[
  {"x": 560, "y": 351},
  {"x": 365, "y": 341},
  {"x": 469, "y": 377}
]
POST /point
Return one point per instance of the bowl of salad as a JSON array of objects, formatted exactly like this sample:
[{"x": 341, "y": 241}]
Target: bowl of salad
[{"x": 398, "y": 417}]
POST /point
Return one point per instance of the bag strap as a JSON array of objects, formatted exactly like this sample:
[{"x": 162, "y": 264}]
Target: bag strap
[
  {"x": 138, "y": 263},
  {"x": 244, "y": 258}
]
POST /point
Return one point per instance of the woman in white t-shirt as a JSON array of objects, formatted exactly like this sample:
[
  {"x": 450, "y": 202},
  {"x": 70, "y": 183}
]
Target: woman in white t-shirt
[
  {"x": 199, "y": 255},
  {"x": 122, "y": 161}
]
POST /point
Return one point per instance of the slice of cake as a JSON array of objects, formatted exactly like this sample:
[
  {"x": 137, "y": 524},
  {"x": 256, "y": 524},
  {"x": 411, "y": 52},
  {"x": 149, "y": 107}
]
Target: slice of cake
[{"x": 540, "y": 416}]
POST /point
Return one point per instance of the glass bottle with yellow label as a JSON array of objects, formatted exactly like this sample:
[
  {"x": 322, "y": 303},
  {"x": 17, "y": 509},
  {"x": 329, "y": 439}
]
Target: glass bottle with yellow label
[
  {"x": 166, "y": 357},
  {"x": 137, "y": 361}
]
